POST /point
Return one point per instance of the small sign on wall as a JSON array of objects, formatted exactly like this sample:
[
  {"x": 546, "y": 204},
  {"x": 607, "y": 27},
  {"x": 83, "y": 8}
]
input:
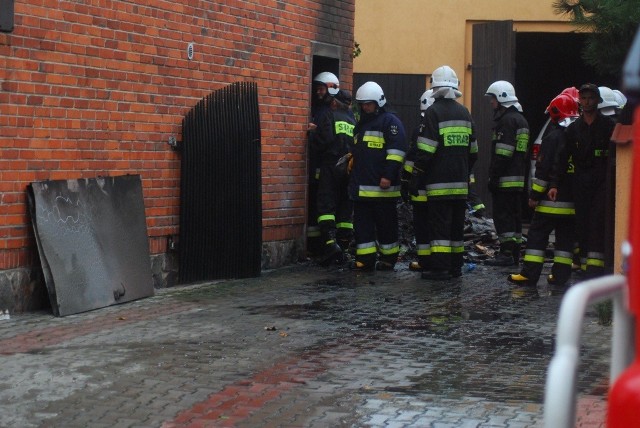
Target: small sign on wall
[{"x": 6, "y": 15}]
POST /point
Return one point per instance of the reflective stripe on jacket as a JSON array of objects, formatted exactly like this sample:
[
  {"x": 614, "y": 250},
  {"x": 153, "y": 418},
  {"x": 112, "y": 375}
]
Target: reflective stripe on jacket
[
  {"x": 510, "y": 145},
  {"x": 378, "y": 152},
  {"x": 447, "y": 150},
  {"x": 552, "y": 142}
]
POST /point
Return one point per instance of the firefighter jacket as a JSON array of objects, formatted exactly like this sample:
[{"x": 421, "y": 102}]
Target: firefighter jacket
[
  {"x": 378, "y": 152},
  {"x": 588, "y": 145},
  {"x": 418, "y": 195},
  {"x": 318, "y": 111},
  {"x": 509, "y": 151},
  {"x": 447, "y": 150},
  {"x": 553, "y": 141},
  {"x": 334, "y": 136}
]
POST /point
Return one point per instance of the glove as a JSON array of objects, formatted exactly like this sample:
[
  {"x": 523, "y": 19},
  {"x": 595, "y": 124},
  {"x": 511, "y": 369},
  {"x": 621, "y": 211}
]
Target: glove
[
  {"x": 492, "y": 185},
  {"x": 404, "y": 190},
  {"x": 344, "y": 164}
]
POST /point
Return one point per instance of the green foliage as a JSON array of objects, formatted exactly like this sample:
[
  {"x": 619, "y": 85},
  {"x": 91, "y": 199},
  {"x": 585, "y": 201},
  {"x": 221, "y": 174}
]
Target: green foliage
[
  {"x": 605, "y": 312},
  {"x": 356, "y": 50},
  {"x": 611, "y": 24}
]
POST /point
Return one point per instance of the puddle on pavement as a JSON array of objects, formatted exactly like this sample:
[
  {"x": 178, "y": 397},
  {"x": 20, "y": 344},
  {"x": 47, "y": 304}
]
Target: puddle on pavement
[
  {"x": 477, "y": 336},
  {"x": 309, "y": 310}
]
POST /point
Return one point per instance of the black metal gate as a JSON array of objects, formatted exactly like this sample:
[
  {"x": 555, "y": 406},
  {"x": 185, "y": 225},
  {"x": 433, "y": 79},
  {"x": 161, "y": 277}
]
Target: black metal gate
[{"x": 221, "y": 198}]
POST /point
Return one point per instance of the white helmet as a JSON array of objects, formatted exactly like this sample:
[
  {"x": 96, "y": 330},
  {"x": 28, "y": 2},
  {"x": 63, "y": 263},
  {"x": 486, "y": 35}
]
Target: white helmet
[
  {"x": 371, "y": 91},
  {"x": 426, "y": 100},
  {"x": 444, "y": 76},
  {"x": 609, "y": 104},
  {"x": 621, "y": 99},
  {"x": 330, "y": 81},
  {"x": 504, "y": 93}
]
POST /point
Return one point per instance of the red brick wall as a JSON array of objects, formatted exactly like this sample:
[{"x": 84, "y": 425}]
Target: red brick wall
[{"x": 97, "y": 87}]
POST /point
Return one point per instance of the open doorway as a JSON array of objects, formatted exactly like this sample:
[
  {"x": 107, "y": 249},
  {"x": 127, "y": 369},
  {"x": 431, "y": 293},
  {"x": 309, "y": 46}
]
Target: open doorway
[
  {"x": 546, "y": 63},
  {"x": 326, "y": 58}
]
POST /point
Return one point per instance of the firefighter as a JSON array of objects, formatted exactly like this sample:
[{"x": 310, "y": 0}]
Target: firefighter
[
  {"x": 419, "y": 197},
  {"x": 374, "y": 185},
  {"x": 474, "y": 203},
  {"x": 572, "y": 91},
  {"x": 507, "y": 169},
  {"x": 325, "y": 86},
  {"x": 587, "y": 144},
  {"x": 609, "y": 105},
  {"x": 559, "y": 214},
  {"x": 447, "y": 150},
  {"x": 334, "y": 139}
]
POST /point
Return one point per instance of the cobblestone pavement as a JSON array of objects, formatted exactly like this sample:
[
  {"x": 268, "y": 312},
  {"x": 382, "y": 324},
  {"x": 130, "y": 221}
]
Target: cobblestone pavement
[{"x": 302, "y": 346}]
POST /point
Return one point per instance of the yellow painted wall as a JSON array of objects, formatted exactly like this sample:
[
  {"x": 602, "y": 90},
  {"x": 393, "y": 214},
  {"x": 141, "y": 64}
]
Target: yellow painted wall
[{"x": 417, "y": 36}]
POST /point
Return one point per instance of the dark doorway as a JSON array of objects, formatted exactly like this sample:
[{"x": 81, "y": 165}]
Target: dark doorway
[
  {"x": 326, "y": 58},
  {"x": 547, "y": 63}
]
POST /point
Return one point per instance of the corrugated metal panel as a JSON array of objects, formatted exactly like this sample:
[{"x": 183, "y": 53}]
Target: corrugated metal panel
[
  {"x": 221, "y": 198},
  {"x": 493, "y": 59}
]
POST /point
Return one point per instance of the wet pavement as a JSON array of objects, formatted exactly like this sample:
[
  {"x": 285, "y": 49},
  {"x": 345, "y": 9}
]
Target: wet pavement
[{"x": 302, "y": 346}]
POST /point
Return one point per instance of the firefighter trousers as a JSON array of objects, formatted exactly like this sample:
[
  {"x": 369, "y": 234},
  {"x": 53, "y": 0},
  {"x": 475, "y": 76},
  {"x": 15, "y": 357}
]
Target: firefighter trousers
[
  {"x": 446, "y": 233},
  {"x": 537, "y": 240},
  {"x": 421, "y": 232},
  {"x": 590, "y": 200},
  {"x": 335, "y": 209},
  {"x": 507, "y": 218},
  {"x": 375, "y": 226}
]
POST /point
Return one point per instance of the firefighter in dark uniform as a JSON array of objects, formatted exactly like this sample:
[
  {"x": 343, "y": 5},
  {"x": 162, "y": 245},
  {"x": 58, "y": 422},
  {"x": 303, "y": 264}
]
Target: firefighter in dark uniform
[
  {"x": 587, "y": 144},
  {"x": 374, "y": 186},
  {"x": 325, "y": 87},
  {"x": 447, "y": 150},
  {"x": 548, "y": 215},
  {"x": 334, "y": 139},
  {"x": 418, "y": 197},
  {"x": 474, "y": 203},
  {"x": 507, "y": 169}
]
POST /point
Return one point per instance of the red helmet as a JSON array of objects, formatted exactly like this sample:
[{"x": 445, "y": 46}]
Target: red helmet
[
  {"x": 572, "y": 91},
  {"x": 561, "y": 107}
]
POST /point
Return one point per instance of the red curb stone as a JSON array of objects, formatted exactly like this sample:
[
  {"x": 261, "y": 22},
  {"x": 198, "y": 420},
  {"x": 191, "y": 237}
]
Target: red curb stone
[{"x": 237, "y": 401}]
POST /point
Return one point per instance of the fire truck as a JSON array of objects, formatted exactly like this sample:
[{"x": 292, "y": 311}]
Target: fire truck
[{"x": 622, "y": 289}]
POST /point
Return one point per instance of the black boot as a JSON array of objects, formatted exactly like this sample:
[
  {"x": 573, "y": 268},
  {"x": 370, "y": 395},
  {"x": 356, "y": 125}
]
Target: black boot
[
  {"x": 331, "y": 251},
  {"x": 502, "y": 259},
  {"x": 515, "y": 252},
  {"x": 507, "y": 255}
]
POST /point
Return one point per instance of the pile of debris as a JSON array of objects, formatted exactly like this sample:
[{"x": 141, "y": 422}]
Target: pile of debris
[{"x": 480, "y": 238}]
